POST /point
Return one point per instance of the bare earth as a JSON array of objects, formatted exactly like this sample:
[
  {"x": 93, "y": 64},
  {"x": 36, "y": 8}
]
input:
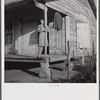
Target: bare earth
[{"x": 29, "y": 73}]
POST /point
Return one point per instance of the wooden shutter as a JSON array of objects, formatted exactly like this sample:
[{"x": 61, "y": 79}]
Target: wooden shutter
[{"x": 83, "y": 36}]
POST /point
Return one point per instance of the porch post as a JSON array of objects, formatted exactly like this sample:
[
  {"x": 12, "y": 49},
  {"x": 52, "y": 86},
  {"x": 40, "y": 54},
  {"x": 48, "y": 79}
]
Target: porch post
[
  {"x": 83, "y": 58},
  {"x": 45, "y": 21}
]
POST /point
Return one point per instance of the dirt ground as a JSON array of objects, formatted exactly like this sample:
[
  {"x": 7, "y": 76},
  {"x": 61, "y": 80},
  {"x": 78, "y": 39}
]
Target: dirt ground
[{"x": 29, "y": 73}]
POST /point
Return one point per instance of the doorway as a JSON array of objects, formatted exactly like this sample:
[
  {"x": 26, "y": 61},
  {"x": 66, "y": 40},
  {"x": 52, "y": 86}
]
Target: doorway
[{"x": 9, "y": 37}]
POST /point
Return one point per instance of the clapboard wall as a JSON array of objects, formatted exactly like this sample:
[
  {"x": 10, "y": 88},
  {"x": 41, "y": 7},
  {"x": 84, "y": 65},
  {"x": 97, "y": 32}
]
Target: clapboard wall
[
  {"x": 73, "y": 34},
  {"x": 26, "y": 20},
  {"x": 57, "y": 40},
  {"x": 78, "y": 9}
]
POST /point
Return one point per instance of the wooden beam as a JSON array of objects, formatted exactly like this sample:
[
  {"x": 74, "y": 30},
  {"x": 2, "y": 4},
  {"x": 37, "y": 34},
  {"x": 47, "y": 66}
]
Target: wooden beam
[
  {"x": 25, "y": 60},
  {"x": 17, "y": 3},
  {"x": 68, "y": 60},
  {"x": 92, "y": 4},
  {"x": 39, "y": 5}
]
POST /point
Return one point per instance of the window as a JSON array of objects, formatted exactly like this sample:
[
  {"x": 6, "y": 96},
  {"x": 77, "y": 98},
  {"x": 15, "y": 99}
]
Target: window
[{"x": 9, "y": 33}]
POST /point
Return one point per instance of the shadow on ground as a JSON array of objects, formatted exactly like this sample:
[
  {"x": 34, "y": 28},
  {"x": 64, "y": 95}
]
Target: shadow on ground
[
  {"x": 84, "y": 74},
  {"x": 23, "y": 67}
]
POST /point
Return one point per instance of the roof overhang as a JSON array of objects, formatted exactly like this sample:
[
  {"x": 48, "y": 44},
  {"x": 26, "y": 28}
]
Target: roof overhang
[
  {"x": 9, "y": 4},
  {"x": 50, "y": 4},
  {"x": 17, "y": 3},
  {"x": 93, "y": 6}
]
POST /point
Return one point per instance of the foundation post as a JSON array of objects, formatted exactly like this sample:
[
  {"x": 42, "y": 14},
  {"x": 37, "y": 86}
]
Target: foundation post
[{"x": 45, "y": 70}]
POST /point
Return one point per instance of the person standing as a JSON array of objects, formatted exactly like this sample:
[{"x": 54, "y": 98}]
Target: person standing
[{"x": 42, "y": 29}]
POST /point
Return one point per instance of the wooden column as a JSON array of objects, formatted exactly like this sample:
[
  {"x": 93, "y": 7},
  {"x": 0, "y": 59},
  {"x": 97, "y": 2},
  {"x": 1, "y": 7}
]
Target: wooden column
[
  {"x": 68, "y": 49},
  {"x": 45, "y": 70},
  {"x": 67, "y": 32},
  {"x": 83, "y": 59},
  {"x": 44, "y": 66},
  {"x": 68, "y": 61},
  {"x": 45, "y": 21}
]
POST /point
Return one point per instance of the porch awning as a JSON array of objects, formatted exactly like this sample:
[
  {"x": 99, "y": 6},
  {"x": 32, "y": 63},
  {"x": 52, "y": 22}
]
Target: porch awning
[
  {"x": 93, "y": 6},
  {"x": 7, "y": 2},
  {"x": 17, "y": 3}
]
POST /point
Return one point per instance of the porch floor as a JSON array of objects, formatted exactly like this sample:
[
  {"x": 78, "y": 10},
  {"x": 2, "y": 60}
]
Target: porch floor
[{"x": 32, "y": 58}]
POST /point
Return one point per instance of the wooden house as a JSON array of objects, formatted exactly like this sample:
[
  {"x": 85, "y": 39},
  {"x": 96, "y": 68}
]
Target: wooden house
[{"x": 79, "y": 27}]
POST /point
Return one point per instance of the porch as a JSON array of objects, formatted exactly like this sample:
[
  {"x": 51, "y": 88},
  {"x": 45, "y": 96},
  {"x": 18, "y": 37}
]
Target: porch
[
  {"x": 25, "y": 37},
  {"x": 32, "y": 58}
]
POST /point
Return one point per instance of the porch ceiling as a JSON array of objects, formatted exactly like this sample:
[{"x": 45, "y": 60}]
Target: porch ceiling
[
  {"x": 53, "y": 5},
  {"x": 28, "y": 11},
  {"x": 9, "y": 4},
  {"x": 11, "y": 1}
]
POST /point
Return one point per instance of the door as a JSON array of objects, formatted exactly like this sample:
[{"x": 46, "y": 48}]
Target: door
[
  {"x": 84, "y": 36},
  {"x": 54, "y": 40},
  {"x": 57, "y": 39},
  {"x": 9, "y": 38}
]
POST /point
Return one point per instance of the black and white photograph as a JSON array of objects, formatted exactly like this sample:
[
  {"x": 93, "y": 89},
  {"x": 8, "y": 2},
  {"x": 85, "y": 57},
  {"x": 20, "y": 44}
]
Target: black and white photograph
[{"x": 50, "y": 41}]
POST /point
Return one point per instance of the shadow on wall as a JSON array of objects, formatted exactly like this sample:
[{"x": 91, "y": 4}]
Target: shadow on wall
[{"x": 34, "y": 38}]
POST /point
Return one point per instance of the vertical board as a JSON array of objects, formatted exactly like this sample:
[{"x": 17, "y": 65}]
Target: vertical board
[
  {"x": 73, "y": 34},
  {"x": 93, "y": 32},
  {"x": 18, "y": 31},
  {"x": 67, "y": 30},
  {"x": 54, "y": 40},
  {"x": 15, "y": 34},
  {"x": 63, "y": 36}
]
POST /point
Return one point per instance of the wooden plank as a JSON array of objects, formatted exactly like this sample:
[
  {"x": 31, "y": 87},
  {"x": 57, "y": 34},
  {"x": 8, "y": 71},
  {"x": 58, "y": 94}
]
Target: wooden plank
[
  {"x": 58, "y": 58},
  {"x": 54, "y": 40},
  {"x": 92, "y": 4},
  {"x": 25, "y": 60},
  {"x": 63, "y": 36},
  {"x": 67, "y": 32},
  {"x": 39, "y": 5},
  {"x": 68, "y": 60},
  {"x": 83, "y": 57}
]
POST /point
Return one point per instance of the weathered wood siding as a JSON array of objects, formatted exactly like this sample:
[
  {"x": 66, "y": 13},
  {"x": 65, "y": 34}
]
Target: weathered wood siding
[
  {"x": 30, "y": 37},
  {"x": 57, "y": 39},
  {"x": 80, "y": 12},
  {"x": 63, "y": 36},
  {"x": 73, "y": 34},
  {"x": 25, "y": 19},
  {"x": 78, "y": 9}
]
